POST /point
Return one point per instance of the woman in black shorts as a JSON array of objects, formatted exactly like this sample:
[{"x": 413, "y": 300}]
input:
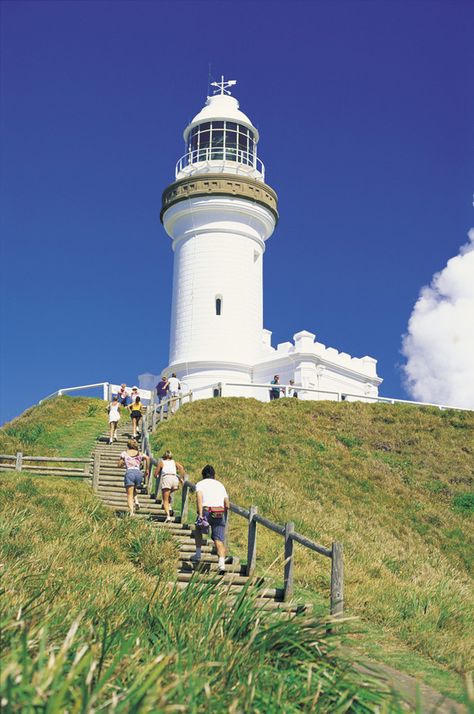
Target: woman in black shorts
[{"x": 136, "y": 414}]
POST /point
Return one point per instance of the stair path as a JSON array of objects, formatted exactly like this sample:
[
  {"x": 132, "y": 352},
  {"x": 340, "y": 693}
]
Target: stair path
[{"x": 112, "y": 493}]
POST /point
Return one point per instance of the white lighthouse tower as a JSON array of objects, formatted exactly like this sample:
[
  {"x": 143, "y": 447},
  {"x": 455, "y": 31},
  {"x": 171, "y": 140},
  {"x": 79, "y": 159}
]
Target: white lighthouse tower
[{"x": 219, "y": 212}]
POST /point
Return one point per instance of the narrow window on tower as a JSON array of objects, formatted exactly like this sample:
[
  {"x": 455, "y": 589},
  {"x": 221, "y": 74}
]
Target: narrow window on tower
[{"x": 218, "y": 304}]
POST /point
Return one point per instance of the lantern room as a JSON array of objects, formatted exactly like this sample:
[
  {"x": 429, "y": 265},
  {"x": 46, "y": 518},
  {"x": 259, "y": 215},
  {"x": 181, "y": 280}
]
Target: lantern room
[{"x": 221, "y": 139}]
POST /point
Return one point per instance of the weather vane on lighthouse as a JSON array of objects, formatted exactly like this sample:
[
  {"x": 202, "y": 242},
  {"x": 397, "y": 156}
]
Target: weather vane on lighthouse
[{"x": 222, "y": 87}]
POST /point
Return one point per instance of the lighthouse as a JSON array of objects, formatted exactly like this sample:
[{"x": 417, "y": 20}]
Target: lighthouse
[{"x": 219, "y": 213}]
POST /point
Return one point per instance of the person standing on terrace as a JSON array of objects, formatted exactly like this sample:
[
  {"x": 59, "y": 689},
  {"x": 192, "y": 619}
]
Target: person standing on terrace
[
  {"x": 212, "y": 502},
  {"x": 275, "y": 391},
  {"x": 162, "y": 389},
  {"x": 123, "y": 396},
  {"x": 174, "y": 387}
]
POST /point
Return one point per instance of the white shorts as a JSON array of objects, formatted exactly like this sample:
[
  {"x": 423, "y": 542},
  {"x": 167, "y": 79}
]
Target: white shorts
[
  {"x": 169, "y": 481},
  {"x": 113, "y": 419}
]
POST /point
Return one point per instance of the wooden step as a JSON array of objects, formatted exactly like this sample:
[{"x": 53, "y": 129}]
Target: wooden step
[
  {"x": 227, "y": 577},
  {"x": 186, "y": 566},
  {"x": 231, "y": 587}
]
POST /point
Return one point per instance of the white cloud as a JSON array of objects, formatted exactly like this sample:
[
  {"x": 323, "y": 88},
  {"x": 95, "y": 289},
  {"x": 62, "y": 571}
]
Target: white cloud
[{"x": 439, "y": 344}]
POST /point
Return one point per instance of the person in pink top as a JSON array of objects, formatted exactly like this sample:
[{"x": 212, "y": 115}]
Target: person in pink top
[{"x": 132, "y": 459}]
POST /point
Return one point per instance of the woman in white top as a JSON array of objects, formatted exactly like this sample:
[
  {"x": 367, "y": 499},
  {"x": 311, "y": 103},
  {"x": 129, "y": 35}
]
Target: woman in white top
[
  {"x": 114, "y": 416},
  {"x": 171, "y": 476}
]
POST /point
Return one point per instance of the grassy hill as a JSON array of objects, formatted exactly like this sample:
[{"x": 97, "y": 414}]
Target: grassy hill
[
  {"x": 63, "y": 426},
  {"x": 393, "y": 483},
  {"x": 88, "y": 620}
]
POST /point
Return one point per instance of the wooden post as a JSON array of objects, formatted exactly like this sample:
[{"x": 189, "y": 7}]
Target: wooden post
[
  {"x": 19, "y": 461},
  {"x": 289, "y": 561},
  {"x": 190, "y": 397},
  {"x": 337, "y": 581},
  {"x": 227, "y": 526},
  {"x": 185, "y": 500},
  {"x": 252, "y": 541},
  {"x": 95, "y": 475},
  {"x": 161, "y": 412}
]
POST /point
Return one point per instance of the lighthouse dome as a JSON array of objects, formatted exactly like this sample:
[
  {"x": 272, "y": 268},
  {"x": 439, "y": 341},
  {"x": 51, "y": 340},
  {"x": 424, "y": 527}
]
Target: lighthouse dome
[
  {"x": 221, "y": 139},
  {"x": 224, "y": 107}
]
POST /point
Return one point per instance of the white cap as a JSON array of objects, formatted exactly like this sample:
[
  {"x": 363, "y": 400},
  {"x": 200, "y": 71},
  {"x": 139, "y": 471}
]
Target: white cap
[{"x": 221, "y": 107}]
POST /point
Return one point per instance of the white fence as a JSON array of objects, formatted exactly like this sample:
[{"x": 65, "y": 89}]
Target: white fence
[
  {"x": 258, "y": 391},
  {"x": 106, "y": 389}
]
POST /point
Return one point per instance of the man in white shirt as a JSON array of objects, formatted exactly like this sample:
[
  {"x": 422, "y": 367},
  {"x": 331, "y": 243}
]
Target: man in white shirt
[
  {"x": 173, "y": 388},
  {"x": 212, "y": 504}
]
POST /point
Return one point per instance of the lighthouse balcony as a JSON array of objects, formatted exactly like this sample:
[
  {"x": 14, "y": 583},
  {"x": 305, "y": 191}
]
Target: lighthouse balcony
[{"x": 226, "y": 161}]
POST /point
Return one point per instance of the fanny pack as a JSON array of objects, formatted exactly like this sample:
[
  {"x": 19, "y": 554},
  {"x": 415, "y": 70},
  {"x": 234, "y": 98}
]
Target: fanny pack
[{"x": 216, "y": 512}]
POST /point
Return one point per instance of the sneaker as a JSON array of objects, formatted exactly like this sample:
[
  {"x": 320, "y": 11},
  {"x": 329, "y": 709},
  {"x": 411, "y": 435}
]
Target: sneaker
[
  {"x": 110, "y": 441},
  {"x": 137, "y": 505},
  {"x": 195, "y": 558},
  {"x": 168, "y": 519}
]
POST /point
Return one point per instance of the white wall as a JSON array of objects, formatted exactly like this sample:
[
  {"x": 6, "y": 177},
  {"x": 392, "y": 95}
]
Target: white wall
[{"x": 219, "y": 244}]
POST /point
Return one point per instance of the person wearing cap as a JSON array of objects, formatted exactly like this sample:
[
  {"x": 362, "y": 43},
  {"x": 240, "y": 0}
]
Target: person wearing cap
[
  {"x": 275, "y": 391},
  {"x": 212, "y": 504}
]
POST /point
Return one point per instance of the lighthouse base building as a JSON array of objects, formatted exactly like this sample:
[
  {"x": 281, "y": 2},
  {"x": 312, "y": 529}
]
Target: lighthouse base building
[{"x": 219, "y": 212}]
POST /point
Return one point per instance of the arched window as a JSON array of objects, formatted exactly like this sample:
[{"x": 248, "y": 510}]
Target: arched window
[{"x": 218, "y": 304}]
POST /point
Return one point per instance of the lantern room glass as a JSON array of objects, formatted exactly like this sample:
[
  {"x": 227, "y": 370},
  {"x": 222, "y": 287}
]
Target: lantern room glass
[{"x": 222, "y": 140}]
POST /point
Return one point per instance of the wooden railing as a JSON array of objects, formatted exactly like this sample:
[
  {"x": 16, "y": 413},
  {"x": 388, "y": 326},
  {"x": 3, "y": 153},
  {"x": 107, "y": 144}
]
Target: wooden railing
[
  {"x": 335, "y": 553},
  {"x": 20, "y": 462}
]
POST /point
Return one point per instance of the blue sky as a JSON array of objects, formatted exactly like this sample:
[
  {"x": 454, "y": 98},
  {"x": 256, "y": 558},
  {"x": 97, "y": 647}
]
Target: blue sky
[{"x": 366, "y": 116}]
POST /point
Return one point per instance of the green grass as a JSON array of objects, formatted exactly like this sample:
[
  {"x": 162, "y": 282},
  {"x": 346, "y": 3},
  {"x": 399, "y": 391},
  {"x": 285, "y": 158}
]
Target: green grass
[
  {"x": 88, "y": 623},
  {"x": 394, "y": 484},
  {"x": 64, "y": 426},
  {"x": 390, "y": 482}
]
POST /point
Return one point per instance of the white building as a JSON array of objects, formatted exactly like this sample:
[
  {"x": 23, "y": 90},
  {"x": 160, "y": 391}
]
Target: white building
[{"x": 219, "y": 213}]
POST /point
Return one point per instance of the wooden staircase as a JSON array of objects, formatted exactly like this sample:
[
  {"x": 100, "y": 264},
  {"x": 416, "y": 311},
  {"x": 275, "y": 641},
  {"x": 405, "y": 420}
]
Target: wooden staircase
[{"x": 111, "y": 491}]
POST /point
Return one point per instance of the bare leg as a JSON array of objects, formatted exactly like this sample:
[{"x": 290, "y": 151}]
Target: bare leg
[
  {"x": 165, "y": 493},
  {"x": 131, "y": 499},
  {"x": 134, "y": 427},
  {"x": 220, "y": 547},
  {"x": 111, "y": 435}
]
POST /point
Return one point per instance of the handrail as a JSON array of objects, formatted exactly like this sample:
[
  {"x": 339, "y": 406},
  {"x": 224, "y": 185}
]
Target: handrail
[
  {"x": 108, "y": 389},
  {"x": 19, "y": 458},
  {"x": 61, "y": 391},
  {"x": 245, "y": 159},
  {"x": 335, "y": 553},
  {"x": 341, "y": 396}
]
